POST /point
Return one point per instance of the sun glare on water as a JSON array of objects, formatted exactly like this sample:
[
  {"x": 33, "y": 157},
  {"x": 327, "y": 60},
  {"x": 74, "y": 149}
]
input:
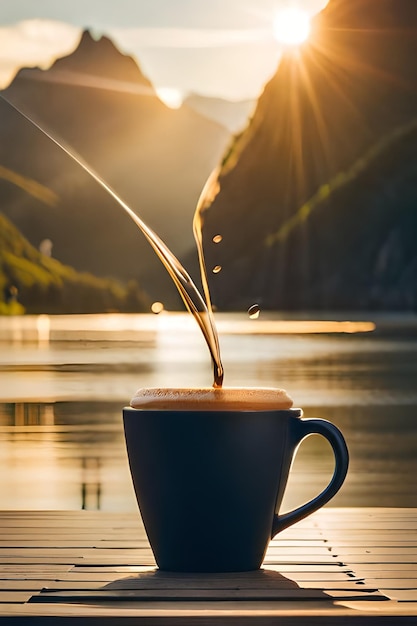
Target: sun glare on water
[{"x": 291, "y": 26}]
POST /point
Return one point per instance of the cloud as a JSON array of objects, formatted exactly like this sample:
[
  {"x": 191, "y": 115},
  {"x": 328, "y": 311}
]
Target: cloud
[
  {"x": 34, "y": 43},
  {"x": 187, "y": 37}
]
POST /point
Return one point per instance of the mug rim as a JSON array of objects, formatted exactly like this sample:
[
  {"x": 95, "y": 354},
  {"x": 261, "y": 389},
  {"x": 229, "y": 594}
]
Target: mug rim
[{"x": 295, "y": 411}]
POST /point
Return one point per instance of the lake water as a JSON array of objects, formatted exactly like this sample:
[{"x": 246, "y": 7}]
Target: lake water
[{"x": 65, "y": 379}]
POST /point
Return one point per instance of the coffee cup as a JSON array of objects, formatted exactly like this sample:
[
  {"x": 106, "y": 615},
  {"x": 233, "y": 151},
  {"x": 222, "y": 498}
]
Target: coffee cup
[{"x": 210, "y": 476}]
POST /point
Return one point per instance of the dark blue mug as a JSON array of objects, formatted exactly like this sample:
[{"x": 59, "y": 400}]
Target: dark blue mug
[{"x": 209, "y": 483}]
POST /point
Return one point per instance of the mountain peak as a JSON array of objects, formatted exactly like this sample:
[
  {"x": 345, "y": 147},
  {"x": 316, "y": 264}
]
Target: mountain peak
[{"x": 100, "y": 57}]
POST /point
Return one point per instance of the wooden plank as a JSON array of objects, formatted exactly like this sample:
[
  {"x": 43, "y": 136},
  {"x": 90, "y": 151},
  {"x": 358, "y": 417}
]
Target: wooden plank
[
  {"x": 19, "y": 585},
  {"x": 85, "y": 568},
  {"x": 398, "y": 539},
  {"x": 76, "y": 530},
  {"x": 364, "y": 534},
  {"x": 289, "y": 567},
  {"x": 75, "y": 560},
  {"x": 402, "y": 595},
  {"x": 69, "y": 553},
  {"x": 382, "y": 559},
  {"x": 11, "y": 597},
  {"x": 393, "y": 583},
  {"x": 155, "y": 579},
  {"x": 319, "y": 576},
  {"x": 8, "y": 569},
  {"x": 377, "y": 567},
  {"x": 87, "y": 523},
  {"x": 390, "y": 573},
  {"x": 319, "y": 560},
  {"x": 380, "y": 550},
  {"x": 63, "y": 542},
  {"x": 376, "y": 525},
  {"x": 83, "y": 585},
  {"x": 235, "y": 613},
  {"x": 37, "y": 561},
  {"x": 307, "y": 548},
  {"x": 334, "y": 566},
  {"x": 204, "y": 594}
]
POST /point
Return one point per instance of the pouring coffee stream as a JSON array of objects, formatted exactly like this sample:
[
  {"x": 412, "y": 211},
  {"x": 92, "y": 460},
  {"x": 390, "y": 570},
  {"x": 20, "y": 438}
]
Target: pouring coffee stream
[{"x": 200, "y": 307}]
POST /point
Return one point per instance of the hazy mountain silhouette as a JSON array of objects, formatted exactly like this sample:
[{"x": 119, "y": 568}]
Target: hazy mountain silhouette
[
  {"x": 327, "y": 106},
  {"x": 233, "y": 115},
  {"x": 98, "y": 101},
  {"x": 32, "y": 282}
]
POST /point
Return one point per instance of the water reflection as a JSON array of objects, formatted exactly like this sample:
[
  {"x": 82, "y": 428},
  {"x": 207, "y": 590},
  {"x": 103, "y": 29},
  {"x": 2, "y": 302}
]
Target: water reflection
[
  {"x": 32, "y": 414},
  {"x": 91, "y": 483},
  {"x": 63, "y": 455},
  {"x": 62, "y": 442}
]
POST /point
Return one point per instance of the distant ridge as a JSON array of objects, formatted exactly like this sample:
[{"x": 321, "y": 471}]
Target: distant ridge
[
  {"x": 233, "y": 115},
  {"x": 34, "y": 283}
]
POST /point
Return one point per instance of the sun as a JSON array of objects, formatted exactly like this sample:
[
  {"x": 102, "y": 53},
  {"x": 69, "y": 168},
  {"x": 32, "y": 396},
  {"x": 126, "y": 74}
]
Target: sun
[{"x": 291, "y": 26}]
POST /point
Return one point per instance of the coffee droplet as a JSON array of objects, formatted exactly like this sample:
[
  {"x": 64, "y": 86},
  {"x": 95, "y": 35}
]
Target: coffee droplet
[
  {"x": 254, "y": 311},
  {"x": 217, "y": 238},
  {"x": 217, "y": 269},
  {"x": 157, "y": 307}
]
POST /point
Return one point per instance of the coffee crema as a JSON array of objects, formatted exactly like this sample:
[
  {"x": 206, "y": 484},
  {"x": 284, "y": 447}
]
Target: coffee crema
[{"x": 212, "y": 399}]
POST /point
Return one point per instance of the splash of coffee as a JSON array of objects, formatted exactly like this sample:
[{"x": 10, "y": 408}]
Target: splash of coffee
[{"x": 200, "y": 307}]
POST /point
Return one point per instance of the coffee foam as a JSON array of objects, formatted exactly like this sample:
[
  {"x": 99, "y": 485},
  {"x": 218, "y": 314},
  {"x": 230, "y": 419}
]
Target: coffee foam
[{"x": 212, "y": 399}]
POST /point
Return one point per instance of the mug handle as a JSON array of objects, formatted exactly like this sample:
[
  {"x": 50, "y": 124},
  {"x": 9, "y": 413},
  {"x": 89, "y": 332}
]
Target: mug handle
[{"x": 304, "y": 428}]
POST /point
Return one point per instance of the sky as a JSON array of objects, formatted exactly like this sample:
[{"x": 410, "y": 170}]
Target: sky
[{"x": 223, "y": 48}]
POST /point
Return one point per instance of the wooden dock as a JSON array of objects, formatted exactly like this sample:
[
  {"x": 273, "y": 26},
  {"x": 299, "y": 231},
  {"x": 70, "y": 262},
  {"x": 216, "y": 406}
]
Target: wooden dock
[{"x": 339, "y": 566}]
